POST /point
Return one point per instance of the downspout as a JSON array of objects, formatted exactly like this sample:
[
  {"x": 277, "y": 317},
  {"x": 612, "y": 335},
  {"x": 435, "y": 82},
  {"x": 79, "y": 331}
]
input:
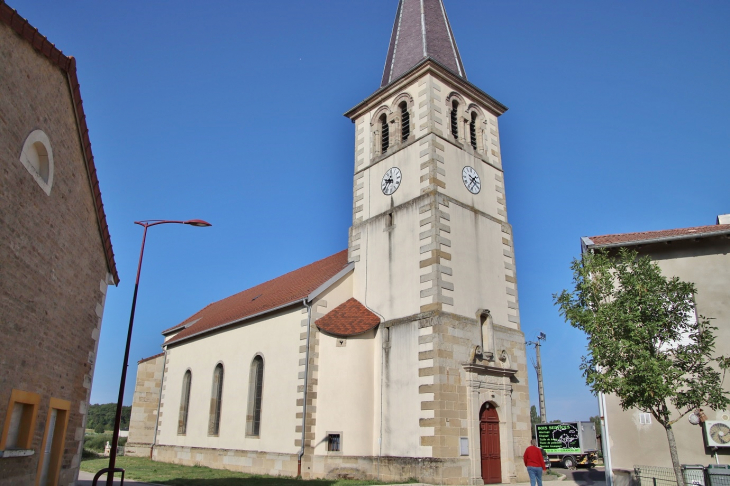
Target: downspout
[
  {"x": 159, "y": 403},
  {"x": 605, "y": 442},
  {"x": 306, "y": 376}
]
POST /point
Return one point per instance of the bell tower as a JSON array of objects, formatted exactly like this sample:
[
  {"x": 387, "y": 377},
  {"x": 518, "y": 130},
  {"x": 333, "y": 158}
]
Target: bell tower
[{"x": 434, "y": 257}]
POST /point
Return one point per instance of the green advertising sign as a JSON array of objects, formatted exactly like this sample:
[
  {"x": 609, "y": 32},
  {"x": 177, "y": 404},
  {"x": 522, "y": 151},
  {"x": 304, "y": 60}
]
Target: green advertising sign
[{"x": 558, "y": 438}]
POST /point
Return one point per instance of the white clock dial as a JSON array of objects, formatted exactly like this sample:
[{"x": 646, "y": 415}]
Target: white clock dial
[
  {"x": 471, "y": 180},
  {"x": 391, "y": 181}
]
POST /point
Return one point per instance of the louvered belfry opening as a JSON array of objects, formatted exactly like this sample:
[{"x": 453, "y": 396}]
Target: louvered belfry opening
[
  {"x": 255, "y": 389},
  {"x": 385, "y": 135},
  {"x": 214, "y": 422},
  {"x": 182, "y": 423},
  {"x": 405, "y": 122},
  {"x": 473, "y": 130},
  {"x": 454, "y": 120}
]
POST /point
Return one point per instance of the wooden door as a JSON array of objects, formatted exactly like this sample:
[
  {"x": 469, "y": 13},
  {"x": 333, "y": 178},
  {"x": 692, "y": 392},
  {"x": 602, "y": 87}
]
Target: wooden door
[{"x": 489, "y": 441}]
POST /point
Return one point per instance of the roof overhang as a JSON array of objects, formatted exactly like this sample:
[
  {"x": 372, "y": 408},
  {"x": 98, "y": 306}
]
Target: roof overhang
[
  {"x": 587, "y": 243},
  {"x": 426, "y": 66}
]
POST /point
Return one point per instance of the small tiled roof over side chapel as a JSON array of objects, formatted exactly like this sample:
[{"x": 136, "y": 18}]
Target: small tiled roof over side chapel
[{"x": 421, "y": 31}]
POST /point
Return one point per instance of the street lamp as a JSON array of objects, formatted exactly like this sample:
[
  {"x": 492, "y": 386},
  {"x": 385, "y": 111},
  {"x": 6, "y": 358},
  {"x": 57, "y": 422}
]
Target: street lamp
[{"x": 118, "y": 418}]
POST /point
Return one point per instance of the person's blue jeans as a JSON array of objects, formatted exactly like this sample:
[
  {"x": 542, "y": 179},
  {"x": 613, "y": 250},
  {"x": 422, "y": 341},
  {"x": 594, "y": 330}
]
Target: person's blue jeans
[{"x": 535, "y": 475}]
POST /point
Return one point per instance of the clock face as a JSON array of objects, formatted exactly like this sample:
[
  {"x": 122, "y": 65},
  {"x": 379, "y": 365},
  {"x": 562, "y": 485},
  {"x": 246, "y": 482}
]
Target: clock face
[
  {"x": 471, "y": 180},
  {"x": 391, "y": 181}
]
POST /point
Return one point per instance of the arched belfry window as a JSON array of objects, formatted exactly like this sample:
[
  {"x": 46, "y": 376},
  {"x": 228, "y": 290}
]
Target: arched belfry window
[
  {"x": 455, "y": 119},
  {"x": 384, "y": 134},
  {"x": 405, "y": 122},
  {"x": 182, "y": 422},
  {"x": 473, "y": 130},
  {"x": 216, "y": 394},
  {"x": 255, "y": 389}
]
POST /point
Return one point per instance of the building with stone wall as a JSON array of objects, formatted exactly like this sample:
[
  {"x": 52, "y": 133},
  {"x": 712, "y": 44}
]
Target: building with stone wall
[
  {"x": 56, "y": 259},
  {"x": 399, "y": 357},
  {"x": 701, "y": 255}
]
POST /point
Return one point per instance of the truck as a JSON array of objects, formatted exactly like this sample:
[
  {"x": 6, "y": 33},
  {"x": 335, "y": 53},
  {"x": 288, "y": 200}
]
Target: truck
[{"x": 570, "y": 443}]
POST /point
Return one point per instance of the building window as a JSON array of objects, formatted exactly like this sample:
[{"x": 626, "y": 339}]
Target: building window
[
  {"x": 255, "y": 389},
  {"x": 334, "y": 442},
  {"x": 384, "y": 134},
  {"x": 182, "y": 422},
  {"x": 214, "y": 422},
  {"x": 644, "y": 418},
  {"x": 37, "y": 158},
  {"x": 405, "y": 122},
  {"x": 20, "y": 420},
  {"x": 54, "y": 438},
  {"x": 473, "y": 130},
  {"x": 455, "y": 120}
]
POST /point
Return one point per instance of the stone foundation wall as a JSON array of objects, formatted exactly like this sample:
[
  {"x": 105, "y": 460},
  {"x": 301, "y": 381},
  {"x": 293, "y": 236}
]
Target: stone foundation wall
[{"x": 387, "y": 469}]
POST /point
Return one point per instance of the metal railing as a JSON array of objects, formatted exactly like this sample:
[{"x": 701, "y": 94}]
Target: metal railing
[{"x": 694, "y": 475}]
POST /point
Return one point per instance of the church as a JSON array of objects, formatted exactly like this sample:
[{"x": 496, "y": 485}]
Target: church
[{"x": 398, "y": 357}]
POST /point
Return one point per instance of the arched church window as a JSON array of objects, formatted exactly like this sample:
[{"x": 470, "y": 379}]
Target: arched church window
[
  {"x": 214, "y": 422},
  {"x": 405, "y": 122},
  {"x": 182, "y": 422},
  {"x": 384, "y": 134},
  {"x": 454, "y": 120},
  {"x": 255, "y": 389},
  {"x": 473, "y": 130}
]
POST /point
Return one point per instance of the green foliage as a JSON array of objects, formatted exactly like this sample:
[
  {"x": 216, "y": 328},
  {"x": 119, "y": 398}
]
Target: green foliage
[
  {"x": 534, "y": 417},
  {"x": 645, "y": 343},
  {"x": 97, "y": 442},
  {"x": 596, "y": 419},
  {"x": 101, "y": 417}
]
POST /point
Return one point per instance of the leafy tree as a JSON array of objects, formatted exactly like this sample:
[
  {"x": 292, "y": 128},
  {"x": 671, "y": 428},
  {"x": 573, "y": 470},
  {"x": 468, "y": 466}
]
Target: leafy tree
[
  {"x": 644, "y": 344},
  {"x": 99, "y": 428},
  {"x": 534, "y": 417},
  {"x": 596, "y": 419},
  {"x": 102, "y": 415}
]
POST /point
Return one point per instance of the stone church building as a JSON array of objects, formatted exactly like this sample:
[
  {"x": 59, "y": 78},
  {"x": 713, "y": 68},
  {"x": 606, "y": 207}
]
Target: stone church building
[{"x": 399, "y": 357}]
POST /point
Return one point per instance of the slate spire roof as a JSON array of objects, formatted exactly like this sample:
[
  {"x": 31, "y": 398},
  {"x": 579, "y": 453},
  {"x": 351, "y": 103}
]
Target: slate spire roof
[{"x": 421, "y": 30}]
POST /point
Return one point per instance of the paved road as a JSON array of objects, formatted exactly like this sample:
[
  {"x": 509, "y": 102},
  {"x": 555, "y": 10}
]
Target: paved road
[{"x": 584, "y": 475}]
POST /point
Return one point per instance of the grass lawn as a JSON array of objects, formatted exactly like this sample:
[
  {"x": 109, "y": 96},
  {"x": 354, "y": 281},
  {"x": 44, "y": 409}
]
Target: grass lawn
[{"x": 143, "y": 469}]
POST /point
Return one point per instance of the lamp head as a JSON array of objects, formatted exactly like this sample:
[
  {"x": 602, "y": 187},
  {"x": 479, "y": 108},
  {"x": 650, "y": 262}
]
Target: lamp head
[{"x": 197, "y": 222}]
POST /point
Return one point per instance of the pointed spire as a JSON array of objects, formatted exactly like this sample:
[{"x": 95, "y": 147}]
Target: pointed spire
[{"x": 421, "y": 30}]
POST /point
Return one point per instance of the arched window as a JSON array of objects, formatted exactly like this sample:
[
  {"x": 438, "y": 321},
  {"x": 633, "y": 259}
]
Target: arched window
[
  {"x": 384, "y": 134},
  {"x": 37, "y": 157},
  {"x": 454, "y": 120},
  {"x": 214, "y": 422},
  {"x": 405, "y": 122},
  {"x": 255, "y": 387},
  {"x": 182, "y": 421},
  {"x": 473, "y": 130}
]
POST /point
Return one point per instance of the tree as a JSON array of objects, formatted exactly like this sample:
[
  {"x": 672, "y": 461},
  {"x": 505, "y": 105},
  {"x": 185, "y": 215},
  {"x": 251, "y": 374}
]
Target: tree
[
  {"x": 645, "y": 344},
  {"x": 596, "y": 419},
  {"x": 534, "y": 417}
]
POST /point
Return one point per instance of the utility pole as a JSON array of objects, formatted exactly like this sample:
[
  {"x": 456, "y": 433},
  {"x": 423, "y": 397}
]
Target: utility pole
[{"x": 538, "y": 369}]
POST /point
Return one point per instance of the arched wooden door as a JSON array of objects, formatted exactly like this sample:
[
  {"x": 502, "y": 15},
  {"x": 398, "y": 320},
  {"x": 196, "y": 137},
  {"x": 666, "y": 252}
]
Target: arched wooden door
[{"x": 489, "y": 441}]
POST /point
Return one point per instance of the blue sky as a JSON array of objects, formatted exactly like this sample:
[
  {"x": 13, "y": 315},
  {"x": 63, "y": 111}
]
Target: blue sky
[{"x": 231, "y": 112}]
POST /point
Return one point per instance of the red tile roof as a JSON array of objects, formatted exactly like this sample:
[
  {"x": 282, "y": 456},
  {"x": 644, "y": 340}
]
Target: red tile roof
[
  {"x": 279, "y": 292},
  {"x": 150, "y": 358},
  {"x": 672, "y": 234},
  {"x": 348, "y": 319},
  {"x": 41, "y": 44}
]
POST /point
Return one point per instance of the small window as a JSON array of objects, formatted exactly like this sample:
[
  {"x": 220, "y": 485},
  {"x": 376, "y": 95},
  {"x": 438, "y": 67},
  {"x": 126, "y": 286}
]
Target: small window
[
  {"x": 384, "y": 135},
  {"x": 473, "y": 130},
  {"x": 645, "y": 418},
  {"x": 255, "y": 391},
  {"x": 405, "y": 122},
  {"x": 37, "y": 158},
  {"x": 20, "y": 420},
  {"x": 334, "y": 443},
  {"x": 54, "y": 438},
  {"x": 454, "y": 119},
  {"x": 182, "y": 423},
  {"x": 214, "y": 421}
]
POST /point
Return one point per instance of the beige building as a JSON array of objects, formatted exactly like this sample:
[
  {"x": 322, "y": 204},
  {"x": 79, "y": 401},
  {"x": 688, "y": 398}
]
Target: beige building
[
  {"x": 399, "y": 357},
  {"x": 56, "y": 259},
  {"x": 700, "y": 255}
]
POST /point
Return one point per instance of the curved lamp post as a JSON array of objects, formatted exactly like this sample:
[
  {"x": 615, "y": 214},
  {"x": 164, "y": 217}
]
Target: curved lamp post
[{"x": 118, "y": 418}]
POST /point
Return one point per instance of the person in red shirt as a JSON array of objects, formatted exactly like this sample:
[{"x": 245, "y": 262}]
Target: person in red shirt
[{"x": 534, "y": 463}]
